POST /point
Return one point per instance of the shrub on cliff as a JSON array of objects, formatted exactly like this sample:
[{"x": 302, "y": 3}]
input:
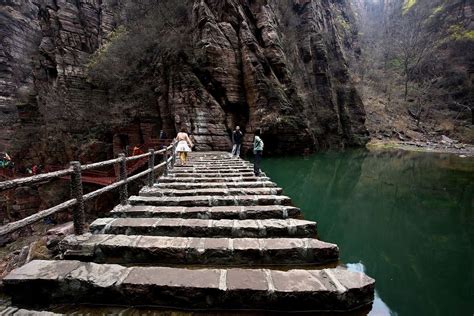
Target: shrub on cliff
[{"x": 148, "y": 30}]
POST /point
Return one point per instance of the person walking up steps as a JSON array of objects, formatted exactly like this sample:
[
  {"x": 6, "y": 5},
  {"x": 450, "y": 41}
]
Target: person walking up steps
[
  {"x": 257, "y": 151},
  {"x": 237, "y": 136},
  {"x": 184, "y": 145}
]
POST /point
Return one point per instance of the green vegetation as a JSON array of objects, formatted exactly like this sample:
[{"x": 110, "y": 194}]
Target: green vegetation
[
  {"x": 460, "y": 33},
  {"x": 115, "y": 36},
  {"x": 407, "y": 5},
  {"x": 150, "y": 31},
  {"x": 342, "y": 22},
  {"x": 395, "y": 63},
  {"x": 438, "y": 9}
]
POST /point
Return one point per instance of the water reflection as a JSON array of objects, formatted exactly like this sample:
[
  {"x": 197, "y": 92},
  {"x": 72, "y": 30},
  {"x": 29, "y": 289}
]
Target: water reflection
[
  {"x": 409, "y": 217},
  {"x": 379, "y": 308}
]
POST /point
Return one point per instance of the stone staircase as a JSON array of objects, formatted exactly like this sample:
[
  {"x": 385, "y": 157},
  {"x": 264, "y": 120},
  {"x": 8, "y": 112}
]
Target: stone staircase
[{"x": 209, "y": 235}]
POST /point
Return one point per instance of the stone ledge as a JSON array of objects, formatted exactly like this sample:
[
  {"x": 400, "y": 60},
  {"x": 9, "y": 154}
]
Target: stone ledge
[
  {"x": 210, "y": 174},
  {"x": 216, "y": 212},
  {"x": 251, "y": 178},
  {"x": 204, "y": 228},
  {"x": 243, "y": 200},
  {"x": 188, "y": 250},
  {"x": 159, "y": 192},
  {"x": 14, "y": 311},
  {"x": 216, "y": 165},
  {"x": 45, "y": 282},
  {"x": 212, "y": 170},
  {"x": 221, "y": 185}
]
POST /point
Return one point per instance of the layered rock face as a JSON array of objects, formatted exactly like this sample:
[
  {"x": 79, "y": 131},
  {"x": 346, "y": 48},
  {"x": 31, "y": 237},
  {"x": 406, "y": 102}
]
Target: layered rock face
[
  {"x": 251, "y": 69},
  {"x": 300, "y": 96},
  {"x": 46, "y": 46},
  {"x": 20, "y": 36}
]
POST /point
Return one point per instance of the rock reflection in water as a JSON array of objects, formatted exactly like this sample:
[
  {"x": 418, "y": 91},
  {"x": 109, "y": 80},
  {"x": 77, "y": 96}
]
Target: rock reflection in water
[{"x": 408, "y": 217}]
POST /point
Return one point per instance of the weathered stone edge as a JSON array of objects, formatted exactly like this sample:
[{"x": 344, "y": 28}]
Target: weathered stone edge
[{"x": 43, "y": 282}]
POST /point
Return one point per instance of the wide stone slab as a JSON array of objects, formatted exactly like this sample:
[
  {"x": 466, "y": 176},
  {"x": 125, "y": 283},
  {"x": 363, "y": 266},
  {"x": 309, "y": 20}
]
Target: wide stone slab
[
  {"x": 212, "y": 185},
  {"x": 146, "y": 191},
  {"x": 46, "y": 282},
  {"x": 217, "y": 165},
  {"x": 213, "y": 174},
  {"x": 216, "y": 212},
  {"x": 214, "y": 165},
  {"x": 204, "y": 227},
  {"x": 15, "y": 311},
  {"x": 190, "y": 179},
  {"x": 212, "y": 170},
  {"x": 126, "y": 249},
  {"x": 203, "y": 200}
]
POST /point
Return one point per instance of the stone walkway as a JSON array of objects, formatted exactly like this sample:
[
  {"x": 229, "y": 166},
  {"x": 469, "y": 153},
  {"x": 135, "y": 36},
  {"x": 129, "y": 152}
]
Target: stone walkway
[{"x": 209, "y": 235}]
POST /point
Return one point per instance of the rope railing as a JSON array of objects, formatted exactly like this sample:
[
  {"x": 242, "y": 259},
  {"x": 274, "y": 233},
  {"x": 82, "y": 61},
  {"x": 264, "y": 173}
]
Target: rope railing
[{"x": 78, "y": 197}]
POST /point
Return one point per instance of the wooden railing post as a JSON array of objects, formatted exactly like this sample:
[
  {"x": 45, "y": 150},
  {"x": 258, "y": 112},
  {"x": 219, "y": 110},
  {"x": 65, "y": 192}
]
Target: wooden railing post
[
  {"x": 166, "y": 162},
  {"x": 173, "y": 152},
  {"x": 77, "y": 193},
  {"x": 151, "y": 166},
  {"x": 123, "y": 177}
]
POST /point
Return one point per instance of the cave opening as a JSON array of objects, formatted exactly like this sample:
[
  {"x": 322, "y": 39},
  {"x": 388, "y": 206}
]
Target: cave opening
[{"x": 51, "y": 73}]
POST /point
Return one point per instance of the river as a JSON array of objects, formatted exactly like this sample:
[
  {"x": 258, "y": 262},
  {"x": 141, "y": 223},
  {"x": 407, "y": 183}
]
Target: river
[{"x": 405, "y": 218}]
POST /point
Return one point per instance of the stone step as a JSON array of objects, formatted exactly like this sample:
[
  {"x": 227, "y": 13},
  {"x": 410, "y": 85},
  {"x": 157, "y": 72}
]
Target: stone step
[
  {"x": 146, "y": 191},
  {"x": 124, "y": 249},
  {"x": 213, "y": 169},
  {"x": 192, "y": 179},
  {"x": 218, "y": 212},
  {"x": 203, "y": 200},
  {"x": 210, "y": 175},
  {"x": 215, "y": 160},
  {"x": 214, "y": 157},
  {"x": 43, "y": 282},
  {"x": 216, "y": 165},
  {"x": 208, "y": 185},
  {"x": 204, "y": 227},
  {"x": 15, "y": 311},
  {"x": 207, "y": 171},
  {"x": 194, "y": 164}
]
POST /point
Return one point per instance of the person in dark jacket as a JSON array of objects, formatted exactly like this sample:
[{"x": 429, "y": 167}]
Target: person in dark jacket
[
  {"x": 237, "y": 136},
  {"x": 257, "y": 151}
]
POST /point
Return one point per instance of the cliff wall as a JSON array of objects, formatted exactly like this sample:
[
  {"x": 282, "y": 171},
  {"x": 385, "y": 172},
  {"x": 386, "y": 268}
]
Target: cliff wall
[{"x": 280, "y": 67}]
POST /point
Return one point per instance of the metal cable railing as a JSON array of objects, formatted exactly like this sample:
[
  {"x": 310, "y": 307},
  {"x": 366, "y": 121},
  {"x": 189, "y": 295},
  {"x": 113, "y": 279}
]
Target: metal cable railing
[{"x": 78, "y": 197}]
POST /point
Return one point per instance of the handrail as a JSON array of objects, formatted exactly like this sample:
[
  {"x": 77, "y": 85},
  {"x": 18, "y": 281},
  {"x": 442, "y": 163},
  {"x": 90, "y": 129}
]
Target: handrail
[
  {"x": 9, "y": 184},
  {"x": 100, "y": 164},
  {"x": 131, "y": 158},
  {"x": 33, "y": 179},
  {"x": 11, "y": 227},
  {"x": 78, "y": 198}
]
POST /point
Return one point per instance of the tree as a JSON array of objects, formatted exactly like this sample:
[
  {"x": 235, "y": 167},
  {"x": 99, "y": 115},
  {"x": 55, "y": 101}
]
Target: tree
[
  {"x": 149, "y": 30},
  {"x": 413, "y": 43}
]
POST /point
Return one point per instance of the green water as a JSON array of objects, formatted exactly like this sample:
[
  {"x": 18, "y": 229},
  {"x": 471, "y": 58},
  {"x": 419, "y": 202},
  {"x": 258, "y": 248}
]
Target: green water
[{"x": 406, "y": 219}]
